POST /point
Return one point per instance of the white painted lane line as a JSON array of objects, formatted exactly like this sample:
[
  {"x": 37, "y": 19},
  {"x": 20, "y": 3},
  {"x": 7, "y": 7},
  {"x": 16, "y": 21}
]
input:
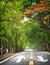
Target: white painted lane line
[{"x": 31, "y": 56}]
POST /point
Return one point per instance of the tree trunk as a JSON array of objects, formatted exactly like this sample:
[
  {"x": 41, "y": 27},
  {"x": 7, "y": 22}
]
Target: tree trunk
[{"x": 1, "y": 46}]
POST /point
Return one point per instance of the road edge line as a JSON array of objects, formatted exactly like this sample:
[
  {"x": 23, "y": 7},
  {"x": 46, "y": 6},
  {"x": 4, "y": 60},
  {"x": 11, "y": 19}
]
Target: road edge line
[
  {"x": 46, "y": 53},
  {"x": 7, "y": 58}
]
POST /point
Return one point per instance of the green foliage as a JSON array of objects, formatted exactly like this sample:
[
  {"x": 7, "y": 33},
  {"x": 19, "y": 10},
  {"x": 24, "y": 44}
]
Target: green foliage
[{"x": 13, "y": 33}]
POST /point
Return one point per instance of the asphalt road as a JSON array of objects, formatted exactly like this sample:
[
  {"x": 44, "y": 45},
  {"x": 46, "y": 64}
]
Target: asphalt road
[{"x": 28, "y": 58}]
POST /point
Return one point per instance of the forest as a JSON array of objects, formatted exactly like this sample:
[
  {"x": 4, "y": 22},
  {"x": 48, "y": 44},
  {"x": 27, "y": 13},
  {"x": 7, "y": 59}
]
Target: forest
[{"x": 17, "y": 34}]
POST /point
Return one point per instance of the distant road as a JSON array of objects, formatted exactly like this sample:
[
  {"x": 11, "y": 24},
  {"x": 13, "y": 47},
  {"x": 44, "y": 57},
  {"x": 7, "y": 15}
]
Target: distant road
[{"x": 28, "y": 58}]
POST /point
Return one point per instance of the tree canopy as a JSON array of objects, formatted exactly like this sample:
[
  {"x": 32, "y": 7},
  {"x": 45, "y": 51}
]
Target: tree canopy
[{"x": 34, "y": 33}]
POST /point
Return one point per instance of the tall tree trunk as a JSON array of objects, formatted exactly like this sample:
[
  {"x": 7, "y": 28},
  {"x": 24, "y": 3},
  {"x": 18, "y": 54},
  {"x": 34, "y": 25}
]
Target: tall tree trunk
[{"x": 1, "y": 45}]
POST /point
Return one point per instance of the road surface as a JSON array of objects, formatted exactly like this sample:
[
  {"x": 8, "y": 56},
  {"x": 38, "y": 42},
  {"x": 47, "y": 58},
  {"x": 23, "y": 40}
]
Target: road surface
[{"x": 28, "y": 58}]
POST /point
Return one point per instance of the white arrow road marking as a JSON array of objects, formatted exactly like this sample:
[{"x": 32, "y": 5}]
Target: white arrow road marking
[
  {"x": 40, "y": 58},
  {"x": 19, "y": 58}
]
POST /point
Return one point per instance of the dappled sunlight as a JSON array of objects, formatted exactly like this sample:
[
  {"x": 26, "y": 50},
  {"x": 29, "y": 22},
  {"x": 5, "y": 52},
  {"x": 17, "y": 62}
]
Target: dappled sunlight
[{"x": 24, "y": 20}]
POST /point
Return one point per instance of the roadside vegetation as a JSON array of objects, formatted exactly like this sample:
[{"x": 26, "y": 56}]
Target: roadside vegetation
[{"x": 15, "y": 36}]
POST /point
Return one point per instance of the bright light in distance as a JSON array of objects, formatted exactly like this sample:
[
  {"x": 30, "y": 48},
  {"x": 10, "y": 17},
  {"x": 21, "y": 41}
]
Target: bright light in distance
[{"x": 28, "y": 49}]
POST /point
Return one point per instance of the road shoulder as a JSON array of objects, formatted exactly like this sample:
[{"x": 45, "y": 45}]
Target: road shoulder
[{"x": 5, "y": 56}]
